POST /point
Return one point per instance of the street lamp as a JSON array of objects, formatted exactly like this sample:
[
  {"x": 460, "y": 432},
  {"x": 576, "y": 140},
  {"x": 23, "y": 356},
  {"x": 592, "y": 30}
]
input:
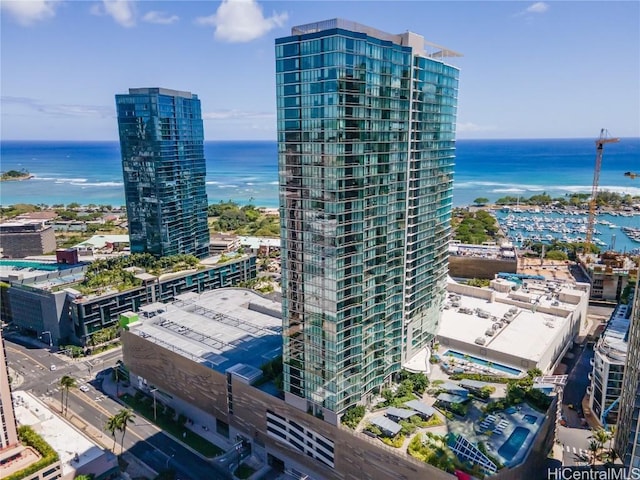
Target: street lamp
[
  {"x": 166, "y": 467},
  {"x": 155, "y": 416},
  {"x": 50, "y": 340}
]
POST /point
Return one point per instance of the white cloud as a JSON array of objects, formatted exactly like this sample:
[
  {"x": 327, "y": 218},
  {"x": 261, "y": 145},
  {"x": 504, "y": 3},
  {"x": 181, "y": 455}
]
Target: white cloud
[
  {"x": 236, "y": 114},
  {"x": 538, "y": 7},
  {"x": 238, "y": 21},
  {"x": 472, "y": 127},
  {"x": 122, "y": 11},
  {"x": 161, "y": 18},
  {"x": 29, "y": 12},
  {"x": 60, "y": 109}
]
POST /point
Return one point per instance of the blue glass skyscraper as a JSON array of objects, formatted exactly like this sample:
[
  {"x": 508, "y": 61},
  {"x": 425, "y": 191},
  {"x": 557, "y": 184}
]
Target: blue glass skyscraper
[
  {"x": 366, "y": 141},
  {"x": 162, "y": 146}
]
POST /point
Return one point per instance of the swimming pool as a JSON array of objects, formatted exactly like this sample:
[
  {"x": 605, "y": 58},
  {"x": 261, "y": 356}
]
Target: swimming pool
[
  {"x": 484, "y": 363},
  {"x": 512, "y": 445},
  {"x": 530, "y": 418},
  {"x": 49, "y": 267}
]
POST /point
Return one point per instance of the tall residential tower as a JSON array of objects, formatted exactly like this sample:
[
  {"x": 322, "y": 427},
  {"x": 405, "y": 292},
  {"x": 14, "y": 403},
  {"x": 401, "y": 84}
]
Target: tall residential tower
[
  {"x": 162, "y": 145},
  {"x": 627, "y": 436},
  {"x": 366, "y": 141}
]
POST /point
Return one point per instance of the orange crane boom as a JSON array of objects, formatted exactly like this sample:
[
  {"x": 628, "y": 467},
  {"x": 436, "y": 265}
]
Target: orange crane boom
[{"x": 600, "y": 142}]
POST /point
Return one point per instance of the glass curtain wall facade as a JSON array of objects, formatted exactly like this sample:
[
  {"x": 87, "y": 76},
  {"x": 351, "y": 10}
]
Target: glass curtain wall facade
[
  {"x": 366, "y": 131},
  {"x": 162, "y": 145},
  {"x": 627, "y": 435}
]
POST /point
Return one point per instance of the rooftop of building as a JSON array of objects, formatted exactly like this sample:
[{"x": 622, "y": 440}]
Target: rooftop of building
[
  {"x": 161, "y": 91},
  {"x": 73, "y": 448},
  {"x": 219, "y": 328},
  {"x": 525, "y": 320},
  {"x": 30, "y": 223},
  {"x": 30, "y": 271},
  {"x": 613, "y": 342},
  {"x": 505, "y": 251},
  {"x": 416, "y": 41},
  {"x": 255, "y": 243},
  {"x": 41, "y": 215},
  {"x": 609, "y": 263},
  {"x": 101, "y": 241}
]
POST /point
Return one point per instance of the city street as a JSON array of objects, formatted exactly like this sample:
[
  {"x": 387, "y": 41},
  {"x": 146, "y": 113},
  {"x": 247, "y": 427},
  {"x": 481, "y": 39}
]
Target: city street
[
  {"x": 143, "y": 439},
  {"x": 574, "y": 437}
]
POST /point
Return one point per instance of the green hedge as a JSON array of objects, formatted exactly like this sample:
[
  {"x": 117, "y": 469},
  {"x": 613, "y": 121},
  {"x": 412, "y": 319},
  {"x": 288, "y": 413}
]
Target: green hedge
[{"x": 32, "y": 439}]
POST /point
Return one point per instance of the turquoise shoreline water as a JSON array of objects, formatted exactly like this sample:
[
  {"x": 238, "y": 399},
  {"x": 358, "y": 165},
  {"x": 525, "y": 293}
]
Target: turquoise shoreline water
[{"x": 247, "y": 172}]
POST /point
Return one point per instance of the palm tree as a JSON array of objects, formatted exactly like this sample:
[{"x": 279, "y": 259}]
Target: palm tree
[
  {"x": 601, "y": 436},
  {"x": 125, "y": 416},
  {"x": 612, "y": 453},
  {"x": 66, "y": 382},
  {"x": 594, "y": 446},
  {"x": 111, "y": 426}
]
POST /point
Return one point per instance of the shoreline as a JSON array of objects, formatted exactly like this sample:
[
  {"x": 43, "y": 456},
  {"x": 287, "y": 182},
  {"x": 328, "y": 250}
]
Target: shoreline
[{"x": 17, "y": 179}]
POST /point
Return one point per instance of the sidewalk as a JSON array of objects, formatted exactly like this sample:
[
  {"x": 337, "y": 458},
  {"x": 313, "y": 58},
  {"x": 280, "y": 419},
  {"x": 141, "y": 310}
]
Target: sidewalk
[
  {"x": 135, "y": 468},
  {"x": 197, "y": 427}
]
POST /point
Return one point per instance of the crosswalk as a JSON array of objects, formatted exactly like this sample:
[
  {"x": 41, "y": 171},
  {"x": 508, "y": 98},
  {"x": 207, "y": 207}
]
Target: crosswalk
[{"x": 579, "y": 454}]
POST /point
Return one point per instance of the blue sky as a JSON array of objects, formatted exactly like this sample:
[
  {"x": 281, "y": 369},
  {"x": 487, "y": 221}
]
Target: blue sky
[{"x": 530, "y": 69}]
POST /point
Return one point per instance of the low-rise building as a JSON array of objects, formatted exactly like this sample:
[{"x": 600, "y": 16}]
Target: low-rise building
[
  {"x": 481, "y": 261},
  {"x": 511, "y": 327},
  {"x": 222, "y": 243},
  {"x": 48, "y": 304},
  {"x": 77, "y": 454},
  {"x": 202, "y": 355},
  {"x": 610, "y": 354},
  {"x": 21, "y": 238},
  {"x": 608, "y": 274}
]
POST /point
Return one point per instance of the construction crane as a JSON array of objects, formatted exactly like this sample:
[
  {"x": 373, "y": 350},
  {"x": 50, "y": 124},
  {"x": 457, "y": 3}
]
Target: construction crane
[
  {"x": 600, "y": 141},
  {"x": 631, "y": 175},
  {"x": 603, "y": 417}
]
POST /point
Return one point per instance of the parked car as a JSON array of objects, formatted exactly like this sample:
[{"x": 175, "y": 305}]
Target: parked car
[{"x": 53, "y": 368}]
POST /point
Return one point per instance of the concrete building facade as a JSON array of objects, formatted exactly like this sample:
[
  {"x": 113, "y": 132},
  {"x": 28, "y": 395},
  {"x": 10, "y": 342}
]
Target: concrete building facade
[
  {"x": 607, "y": 376},
  {"x": 22, "y": 238},
  {"x": 608, "y": 273}
]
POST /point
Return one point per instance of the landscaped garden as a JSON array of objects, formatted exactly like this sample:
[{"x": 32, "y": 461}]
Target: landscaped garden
[{"x": 164, "y": 418}]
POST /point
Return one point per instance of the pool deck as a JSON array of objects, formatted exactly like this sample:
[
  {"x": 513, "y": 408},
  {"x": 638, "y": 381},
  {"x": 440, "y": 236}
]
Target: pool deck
[{"x": 470, "y": 429}]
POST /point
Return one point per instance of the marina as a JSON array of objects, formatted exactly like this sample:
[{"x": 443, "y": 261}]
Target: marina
[{"x": 619, "y": 231}]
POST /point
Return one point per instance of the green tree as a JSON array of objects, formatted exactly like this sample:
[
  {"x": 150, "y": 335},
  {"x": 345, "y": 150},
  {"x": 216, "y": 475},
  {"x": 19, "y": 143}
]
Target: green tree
[
  {"x": 113, "y": 424},
  {"x": 67, "y": 382},
  {"x": 125, "y": 417},
  {"x": 601, "y": 436},
  {"x": 481, "y": 201}
]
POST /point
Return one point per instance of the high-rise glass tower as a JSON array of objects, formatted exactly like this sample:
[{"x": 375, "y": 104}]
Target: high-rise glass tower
[
  {"x": 627, "y": 436},
  {"x": 366, "y": 140},
  {"x": 162, "y": 145}
]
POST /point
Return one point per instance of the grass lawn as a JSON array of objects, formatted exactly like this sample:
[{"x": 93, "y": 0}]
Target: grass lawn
[{"x": 195, "y": 441}]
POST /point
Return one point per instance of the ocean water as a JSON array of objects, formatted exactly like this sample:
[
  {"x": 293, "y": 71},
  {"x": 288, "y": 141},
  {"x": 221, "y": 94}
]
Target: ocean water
[{"x": 247, "y": 172}]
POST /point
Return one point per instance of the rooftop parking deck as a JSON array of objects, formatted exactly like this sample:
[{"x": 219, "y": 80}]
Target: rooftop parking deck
[{"x": 219, "y": 328}]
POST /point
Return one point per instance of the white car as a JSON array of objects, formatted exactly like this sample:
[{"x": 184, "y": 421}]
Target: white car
[
  {"x": 53, "y": 368},
  {"x": 84, "y": 388}
]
